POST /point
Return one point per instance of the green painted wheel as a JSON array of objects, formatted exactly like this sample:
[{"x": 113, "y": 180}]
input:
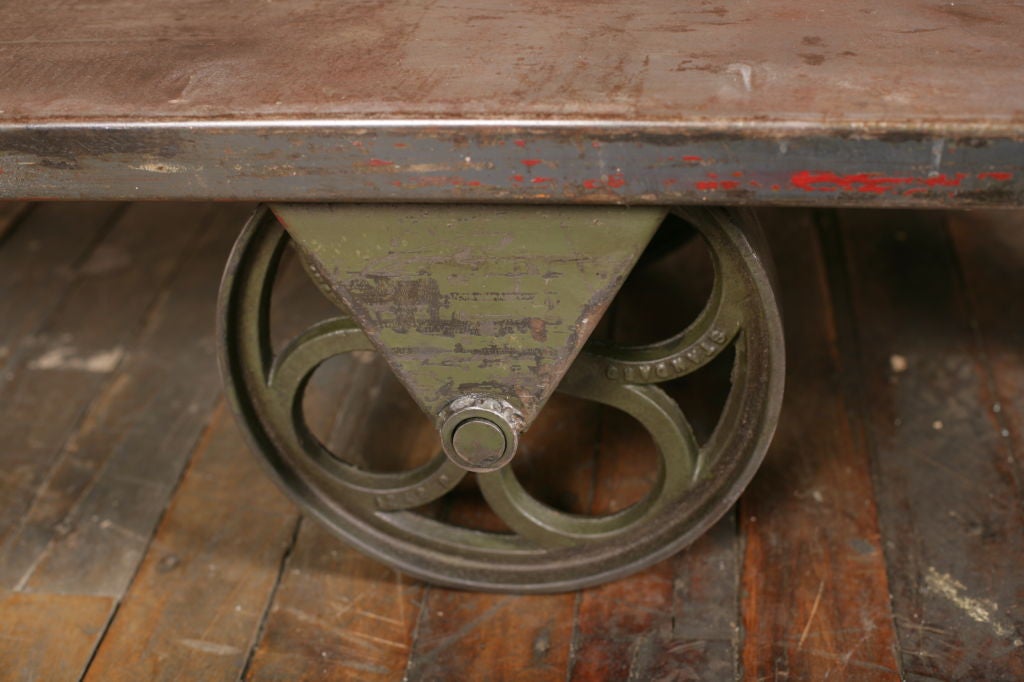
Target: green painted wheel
[{"x": 546, "y": 549}]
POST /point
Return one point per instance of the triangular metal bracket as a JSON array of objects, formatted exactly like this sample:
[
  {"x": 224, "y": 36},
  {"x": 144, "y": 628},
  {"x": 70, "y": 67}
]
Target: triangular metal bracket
[{"x": 463, "y": 300}]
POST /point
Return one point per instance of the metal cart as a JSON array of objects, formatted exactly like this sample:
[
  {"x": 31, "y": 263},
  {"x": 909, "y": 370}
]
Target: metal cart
[{"x": 471, "y": 184}]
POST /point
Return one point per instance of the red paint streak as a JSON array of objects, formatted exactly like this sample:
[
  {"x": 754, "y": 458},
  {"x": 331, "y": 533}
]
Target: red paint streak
[
  {"x": 400, "y": 145},
  {"x": 754, "y": 183},
  {"x": 517, "y": 178},
  {"x": 995, "y": 176},
  {"x": 692, "y": 159},
  {"x": 915, "y": 190},
  {"x": 540, "y": 180},
  {"x": 775, "y": 188},
  {"x": 669, "y": 182},
  {"x": 830, "y": 182},
  {"x": 396, "y": 183},
  {"x": 737, "y": 174},
  {"x": 867, "y": 183},
  {"x": 377, "y": 163},
  {"x": 713, "y": 183},
  {"x": 610, "y": 181},
  {"x": 520, "y": 143},
  {"x": 944, "y": 181},
  {"x": 595, "y": 144},
  {"x": 530, "y": 163},
  {"x": 473, "y": 183}
]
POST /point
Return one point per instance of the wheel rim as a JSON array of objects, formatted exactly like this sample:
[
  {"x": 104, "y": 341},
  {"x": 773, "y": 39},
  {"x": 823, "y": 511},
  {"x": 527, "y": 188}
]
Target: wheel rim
[{"x": 550, "y": 550}]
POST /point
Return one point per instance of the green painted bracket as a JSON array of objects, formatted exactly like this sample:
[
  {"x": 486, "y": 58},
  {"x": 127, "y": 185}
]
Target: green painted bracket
[{"x": 461, "y": 300}]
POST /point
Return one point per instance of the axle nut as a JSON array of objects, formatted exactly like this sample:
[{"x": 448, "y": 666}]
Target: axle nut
[{"x": 479, "y": 433}]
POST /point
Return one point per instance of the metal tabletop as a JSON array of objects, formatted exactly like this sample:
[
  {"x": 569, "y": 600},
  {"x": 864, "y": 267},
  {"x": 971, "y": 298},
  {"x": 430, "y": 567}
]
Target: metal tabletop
[{"x": 909, "y": 102}]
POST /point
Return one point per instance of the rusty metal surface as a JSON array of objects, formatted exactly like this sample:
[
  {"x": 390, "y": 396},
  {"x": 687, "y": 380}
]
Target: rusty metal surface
[
  {"x": 908, "y": 103},
  {"x": 662, "y": 60},
  {"x": 554, "y": 165},
  {"x": 473, "y": 300}
]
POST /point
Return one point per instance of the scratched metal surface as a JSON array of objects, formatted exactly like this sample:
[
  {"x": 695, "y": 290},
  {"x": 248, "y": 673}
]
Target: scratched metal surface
[{"x": 908, "y": 102}]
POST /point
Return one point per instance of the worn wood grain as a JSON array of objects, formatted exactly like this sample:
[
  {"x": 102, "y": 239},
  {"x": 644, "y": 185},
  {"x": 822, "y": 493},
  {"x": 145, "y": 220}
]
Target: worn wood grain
[
  {"x": 676, "y": 620},
  {"x": 49, "y": 637},
  {"x": 949, "y": 505},
  {"x": 37, "y": 264},
  {"x": 83, "y": 342},
  {"x": 92, "y": 518},
  {"x": 816, "y": 597},
  {"x": 990, "y": 252},
  {"x": 194, "y": 608},
  {"x": 337, "y": 615},
  {"x": 10, "y": 213}
]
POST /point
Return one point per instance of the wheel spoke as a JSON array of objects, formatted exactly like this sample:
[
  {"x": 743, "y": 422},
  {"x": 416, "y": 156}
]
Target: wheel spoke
[
  {"x": 699, "y": 343},
  {"x": 672, "y": 435},
  {"x": 288, "y": 377}
]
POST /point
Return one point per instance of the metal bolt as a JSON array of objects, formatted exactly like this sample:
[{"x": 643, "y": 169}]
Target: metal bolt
[
  {"x": 479, "y": 433},
  {"x": 480, "y": 442}
]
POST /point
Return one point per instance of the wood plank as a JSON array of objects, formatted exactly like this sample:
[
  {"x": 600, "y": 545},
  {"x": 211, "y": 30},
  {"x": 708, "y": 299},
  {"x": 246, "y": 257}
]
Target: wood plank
[
  {"x": 37, "y": 264},
  {"x": 49, "y": 637},
  {"x": 816, "y": 596},
  {"x": 83, "y": 342},
  {"x": 675, "y": 620},
  {"x": 92, "y": 518},
  {"x": 337, "y": 615},
  {"x": 949, "y": 505},
  {"x": 10, "y": 213},
  {"x": 990, "y": 251},
  {"x": 195, "y": 607}
]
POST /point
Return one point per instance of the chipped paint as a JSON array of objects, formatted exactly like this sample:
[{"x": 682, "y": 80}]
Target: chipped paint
[
  {"x": 980, "y": 610},
  {"x": 205, "y": 647},
  {"x": 163, "y": 167},
  {"x": 870, "y": 183},
  {"x": 65, "y": 357},
  {"x": 706, "y": 185}
]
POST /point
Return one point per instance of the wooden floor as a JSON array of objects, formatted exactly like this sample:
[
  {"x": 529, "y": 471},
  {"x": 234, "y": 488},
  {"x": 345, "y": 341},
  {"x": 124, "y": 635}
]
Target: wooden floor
[{"x": 882, "y": 538}]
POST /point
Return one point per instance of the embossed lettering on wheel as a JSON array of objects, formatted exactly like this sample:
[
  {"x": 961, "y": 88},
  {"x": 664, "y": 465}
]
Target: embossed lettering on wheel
[{"x": 550, "y": 550}]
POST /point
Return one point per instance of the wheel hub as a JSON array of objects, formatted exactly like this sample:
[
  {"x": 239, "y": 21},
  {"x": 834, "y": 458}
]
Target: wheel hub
[{"x": 479, "y": 433}]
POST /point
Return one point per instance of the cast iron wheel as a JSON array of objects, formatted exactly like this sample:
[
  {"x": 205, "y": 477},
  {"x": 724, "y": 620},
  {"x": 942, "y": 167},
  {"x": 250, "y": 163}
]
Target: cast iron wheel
[{"x": 549, "y": 550}]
